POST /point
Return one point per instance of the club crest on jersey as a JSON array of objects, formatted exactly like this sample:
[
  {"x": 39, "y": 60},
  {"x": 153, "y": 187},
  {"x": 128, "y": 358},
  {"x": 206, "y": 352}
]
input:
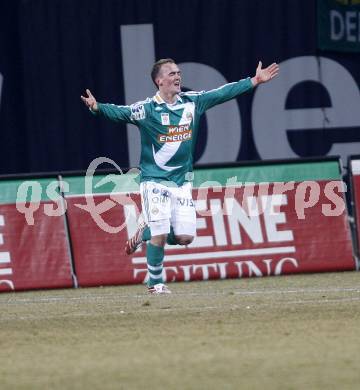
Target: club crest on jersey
[
  {"x": 165, "y": 119},
  {"x": 137, "y": 112}
]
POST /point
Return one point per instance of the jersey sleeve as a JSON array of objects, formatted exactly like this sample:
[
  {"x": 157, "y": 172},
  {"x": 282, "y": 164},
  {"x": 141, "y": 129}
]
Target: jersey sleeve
[
  {"x": 129, "y": 114},
  {"x": 208, "y": 99}
]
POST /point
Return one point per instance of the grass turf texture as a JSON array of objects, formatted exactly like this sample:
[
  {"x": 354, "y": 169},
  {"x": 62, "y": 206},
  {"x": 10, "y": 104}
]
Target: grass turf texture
[{"x": 294, "y": 332}]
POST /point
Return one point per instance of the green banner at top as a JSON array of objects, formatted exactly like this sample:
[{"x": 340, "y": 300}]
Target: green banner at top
[{"x": 339, "y": 25}]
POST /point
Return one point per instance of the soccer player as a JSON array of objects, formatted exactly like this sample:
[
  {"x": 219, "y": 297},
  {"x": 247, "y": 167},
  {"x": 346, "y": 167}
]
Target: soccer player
[{"x": 168, "y": 124}]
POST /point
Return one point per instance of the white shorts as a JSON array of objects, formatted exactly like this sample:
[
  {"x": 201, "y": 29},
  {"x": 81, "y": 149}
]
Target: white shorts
[{"x": 164, "y": 206}]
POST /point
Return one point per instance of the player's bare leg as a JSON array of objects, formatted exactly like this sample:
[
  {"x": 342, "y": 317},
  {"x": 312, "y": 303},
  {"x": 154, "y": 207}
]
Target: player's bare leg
[
  {"x": 143, "y": 234},
  {"x": 184, "y": 239}
]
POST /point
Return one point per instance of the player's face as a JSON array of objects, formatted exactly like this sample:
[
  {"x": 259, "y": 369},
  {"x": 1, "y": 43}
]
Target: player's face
[{"x": 169, "y": 79}]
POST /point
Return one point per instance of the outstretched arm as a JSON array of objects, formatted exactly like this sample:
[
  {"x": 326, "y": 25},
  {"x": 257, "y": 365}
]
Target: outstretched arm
[
  {"x": 90, "y": 101},
  {"x": 208, "y": 99},
  {"x": 266, "y": 74},
  {"x": 128, "y": 114}
]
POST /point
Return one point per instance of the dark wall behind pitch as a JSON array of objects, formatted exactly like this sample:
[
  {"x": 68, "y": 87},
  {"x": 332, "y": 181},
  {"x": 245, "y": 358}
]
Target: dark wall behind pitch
[{"x": 50, "y": 51}]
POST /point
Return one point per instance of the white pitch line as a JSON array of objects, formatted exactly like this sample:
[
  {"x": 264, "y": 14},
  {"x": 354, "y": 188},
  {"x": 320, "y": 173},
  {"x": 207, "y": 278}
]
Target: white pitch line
[
  {"x": 111, "y": 297},
  {"x": 221, "y": 255},
  {"x": 106, "y": 297},
  {"x": 298, "y": 291}
]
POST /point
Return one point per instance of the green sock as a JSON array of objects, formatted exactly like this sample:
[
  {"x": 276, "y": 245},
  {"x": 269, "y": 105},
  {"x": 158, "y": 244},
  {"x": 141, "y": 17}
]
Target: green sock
[
  {"x": 171, "y": 240},
  {"x": 155, "y": 257},
  {"x": 146, "y": 236}
]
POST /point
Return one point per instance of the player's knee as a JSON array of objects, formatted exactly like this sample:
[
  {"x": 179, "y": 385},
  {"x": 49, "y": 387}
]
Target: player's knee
[
  {"x": 184, "y": 239},
  {"x": 159, "y": 240}
]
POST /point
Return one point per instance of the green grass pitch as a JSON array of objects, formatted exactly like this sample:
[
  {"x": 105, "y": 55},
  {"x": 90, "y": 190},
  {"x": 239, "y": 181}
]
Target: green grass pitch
[{"x": 289, "y": 332}]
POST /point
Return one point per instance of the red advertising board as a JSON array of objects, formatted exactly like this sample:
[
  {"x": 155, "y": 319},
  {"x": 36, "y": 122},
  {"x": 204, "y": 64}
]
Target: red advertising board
[
  {"x": 272, "y": 219},
  {"x": 233, "y": 242},
  {"x": 34, "y": 251},
  {"x": 97, "y": 245},
  {"x": 258, "y": 229}
]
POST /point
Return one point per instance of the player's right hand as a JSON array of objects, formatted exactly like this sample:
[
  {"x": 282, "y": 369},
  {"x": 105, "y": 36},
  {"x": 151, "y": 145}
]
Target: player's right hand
[{"x": 90, "y": 101}]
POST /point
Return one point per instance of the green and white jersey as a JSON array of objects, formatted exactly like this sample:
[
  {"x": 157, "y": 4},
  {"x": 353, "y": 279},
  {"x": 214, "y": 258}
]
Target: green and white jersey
[{"x": 169, "y": 131}]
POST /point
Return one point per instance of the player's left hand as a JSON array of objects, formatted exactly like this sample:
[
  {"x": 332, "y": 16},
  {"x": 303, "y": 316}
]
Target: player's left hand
[{"x": 266, "y": 74}]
